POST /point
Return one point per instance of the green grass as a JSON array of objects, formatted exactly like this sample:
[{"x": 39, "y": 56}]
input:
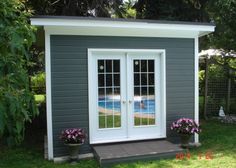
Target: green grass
[
  {"x": 39, "y": 98},
  {"x": 216, "y": 137}
]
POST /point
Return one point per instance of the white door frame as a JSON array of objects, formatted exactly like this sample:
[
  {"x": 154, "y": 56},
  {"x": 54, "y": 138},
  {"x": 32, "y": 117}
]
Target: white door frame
[{"x": 91, "y": 91}]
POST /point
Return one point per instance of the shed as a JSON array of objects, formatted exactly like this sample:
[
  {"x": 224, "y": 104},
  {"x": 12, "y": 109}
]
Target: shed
[{"x": 120, "y": 79}]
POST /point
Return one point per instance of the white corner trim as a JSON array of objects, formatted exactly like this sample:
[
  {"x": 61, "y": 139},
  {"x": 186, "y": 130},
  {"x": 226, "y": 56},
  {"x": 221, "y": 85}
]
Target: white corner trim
[
  {"x": 48, "y": 95},
  {"x": 163, "y": 89},
  {"x": 90, "y": 92},
  {"x": 196, "y": 87},
  {"x": 66, "y": 158}
]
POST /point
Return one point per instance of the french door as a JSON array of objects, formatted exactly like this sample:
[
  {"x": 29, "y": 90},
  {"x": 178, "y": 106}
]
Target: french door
[{"x": 125, "y": 95}]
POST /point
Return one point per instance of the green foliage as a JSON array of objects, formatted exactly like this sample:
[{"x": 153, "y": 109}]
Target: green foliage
[
  {"x": 38, "y": 83},
  {"x": 127, "y": 9},
  {"x": 184, "y": 10},
  {"x": 223, "y": 14},
  {"x": 38, "y": 80},
  {"x": 98, "y": 8},
  {"x": 17, "y": 104}
]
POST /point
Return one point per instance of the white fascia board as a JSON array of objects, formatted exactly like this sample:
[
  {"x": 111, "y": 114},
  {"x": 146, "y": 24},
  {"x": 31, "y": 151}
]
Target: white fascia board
[
  {"x": 128, "y": 32},
  {"x": 123, "y": 26}
]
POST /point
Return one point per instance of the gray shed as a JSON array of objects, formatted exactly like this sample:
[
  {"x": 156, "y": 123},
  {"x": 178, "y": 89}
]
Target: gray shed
[{"x": 119, "y": 79}]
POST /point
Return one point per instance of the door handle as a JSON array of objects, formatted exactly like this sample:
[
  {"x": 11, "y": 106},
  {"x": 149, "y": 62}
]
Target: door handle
[
  {"x": 130, "y": 101},
  {"x": 123, "y": 101}
]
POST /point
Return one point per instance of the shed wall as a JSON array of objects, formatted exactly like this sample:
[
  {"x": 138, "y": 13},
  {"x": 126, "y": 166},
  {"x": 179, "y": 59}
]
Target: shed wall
[{"x": 69, "y": 73}]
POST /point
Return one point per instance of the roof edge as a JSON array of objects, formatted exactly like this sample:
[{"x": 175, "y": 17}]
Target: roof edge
[{"x": 121, "y": 20}]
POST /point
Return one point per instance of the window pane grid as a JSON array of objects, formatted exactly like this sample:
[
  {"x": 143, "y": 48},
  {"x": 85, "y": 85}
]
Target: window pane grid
[
  {"x": 109, "y": 93},
  {"x": 144, "y": 102}
]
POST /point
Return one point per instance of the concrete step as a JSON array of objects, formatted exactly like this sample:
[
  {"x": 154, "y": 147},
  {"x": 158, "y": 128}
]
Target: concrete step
[{"x": 109, "y": 154}]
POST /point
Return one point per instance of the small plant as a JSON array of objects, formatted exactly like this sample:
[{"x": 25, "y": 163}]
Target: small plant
[
  {"x": 185, "y": 126},
  {"x": 73, "y": 136}
]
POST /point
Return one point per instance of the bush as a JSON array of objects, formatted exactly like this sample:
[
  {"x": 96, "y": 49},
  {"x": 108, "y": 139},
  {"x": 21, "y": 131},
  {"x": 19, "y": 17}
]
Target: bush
[
  {"x": 17, "y": 105},
  {"x": 38, "y": 83}
]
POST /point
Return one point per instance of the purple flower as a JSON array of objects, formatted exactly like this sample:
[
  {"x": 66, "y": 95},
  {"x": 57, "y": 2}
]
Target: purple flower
[
  {"x": 73, "y": 135},
  {"x": 185, "y": 126}
]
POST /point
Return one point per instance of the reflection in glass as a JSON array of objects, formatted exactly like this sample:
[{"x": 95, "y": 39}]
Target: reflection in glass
[
  {"x": 116, "y": 66},
  {"x": 101, "y": 80},
  {"x": 100, "y": 65},
  {"x": 136, "y": 65},
  {"x": 116, "y": 79},
  {"x": 108, "y": 80},
  {"x": 151, "y": 78},
  {"x": 144, "y": 92},
  {"x": 108, "y": 65},
  {"x": 109, "y": 100},
  {"x": 150, "y": 65},
  {"x": 143, "y": 65},
  {"x": 144, "y": 79}
]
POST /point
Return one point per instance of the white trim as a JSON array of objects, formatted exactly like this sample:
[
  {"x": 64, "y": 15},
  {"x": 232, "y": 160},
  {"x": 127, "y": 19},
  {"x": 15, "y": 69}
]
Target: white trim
[
  {"x": 127, "y": 32},
  {"x": 91, "y": 90},
  {"x": 163, "y": 92},
  {"x": 196, "y": 87},
  {"x": 121, "y": 28},
  {"x": 119, "y": 24},
  {"x": 127, "y": 139},
  {"x": 63, "y": 159},
  {"x": 48, "y": 95},
  {"x": 125, "y": 50}
]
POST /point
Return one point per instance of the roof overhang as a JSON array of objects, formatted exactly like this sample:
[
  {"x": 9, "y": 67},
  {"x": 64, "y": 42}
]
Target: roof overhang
[{"x": 122, "y": 27}]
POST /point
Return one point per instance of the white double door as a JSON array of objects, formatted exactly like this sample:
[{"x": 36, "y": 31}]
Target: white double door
[{"x": 124, "y": 95}]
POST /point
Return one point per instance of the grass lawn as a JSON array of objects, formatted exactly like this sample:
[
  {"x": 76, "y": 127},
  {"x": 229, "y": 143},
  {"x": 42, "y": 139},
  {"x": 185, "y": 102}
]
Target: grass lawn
[{"x": 218, "y": 143}]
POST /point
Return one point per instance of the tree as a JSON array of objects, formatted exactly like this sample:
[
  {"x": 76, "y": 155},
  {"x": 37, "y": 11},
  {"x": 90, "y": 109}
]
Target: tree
[
  {"x": 127, "y": 10},
  {"x": 178, "y": 10},
  {"x": 223, "y": 13},
  {"x": 17, "y": 104},
  {"x": 97, "y": 8}
]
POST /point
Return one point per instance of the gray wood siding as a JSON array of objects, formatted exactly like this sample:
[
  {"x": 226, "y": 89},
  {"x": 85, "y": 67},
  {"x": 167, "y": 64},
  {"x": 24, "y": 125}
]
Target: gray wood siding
[{"x": 70, "y": 79}]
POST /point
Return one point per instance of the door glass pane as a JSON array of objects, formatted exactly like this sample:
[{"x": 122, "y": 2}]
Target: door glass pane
[
  {"x": 144, "y": 92},
  {"x": 109, "y": 98},
  {"x": 116, "y": 66},
  {"x": 150, "y": 65},
  {"x": 101, "y": 82},
  {"x": 136, "y": 79},
  {"x": 100, "y": 66},
  {"x": 108, "y": 65},
  {"x": 136, "y": 65}
]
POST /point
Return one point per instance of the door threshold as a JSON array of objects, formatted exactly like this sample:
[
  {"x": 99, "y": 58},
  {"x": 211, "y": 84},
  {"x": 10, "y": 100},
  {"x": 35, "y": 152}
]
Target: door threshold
[{"x": 127, "y": 140}]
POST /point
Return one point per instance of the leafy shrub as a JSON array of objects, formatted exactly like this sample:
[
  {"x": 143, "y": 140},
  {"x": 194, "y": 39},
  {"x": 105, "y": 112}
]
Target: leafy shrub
[
  {"x": 17, "y": 104},
  {"x": 38, "y": 83}
]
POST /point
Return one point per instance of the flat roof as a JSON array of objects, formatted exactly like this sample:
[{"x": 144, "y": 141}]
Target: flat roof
[
  {"x": 98, "y": 26},
  {"x": 122, "y": 20}
]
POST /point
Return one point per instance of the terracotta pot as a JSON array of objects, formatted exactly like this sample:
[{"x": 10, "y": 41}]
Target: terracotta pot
[
  {"x": 73, "y": 151},
  {"x": 184, "y": 139}
]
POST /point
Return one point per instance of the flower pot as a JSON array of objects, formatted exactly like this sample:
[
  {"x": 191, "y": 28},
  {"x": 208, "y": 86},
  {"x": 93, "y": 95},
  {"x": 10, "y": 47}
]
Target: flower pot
[
  {"x": 184, "y": 139},
  {"x": 73, "y": 151}
]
